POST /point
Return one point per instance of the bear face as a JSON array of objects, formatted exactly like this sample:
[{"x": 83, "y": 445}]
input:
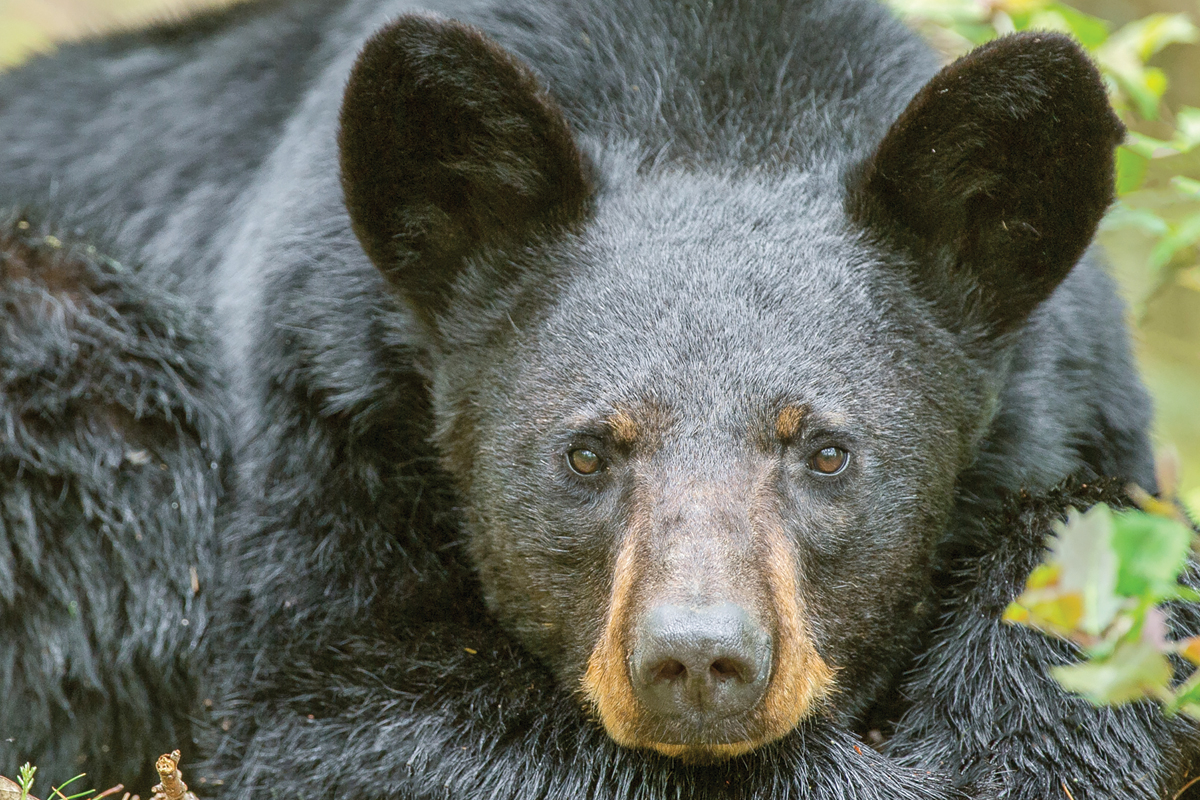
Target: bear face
[
  {"x": 718, "y": 517},
  {"x": 718, "y": 373}
]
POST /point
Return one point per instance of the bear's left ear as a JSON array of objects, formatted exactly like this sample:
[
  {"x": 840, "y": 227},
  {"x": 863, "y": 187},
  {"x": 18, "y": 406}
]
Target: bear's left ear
[
  {"x": 996, "y": 176},
  {"x": 449, "y": 144}
]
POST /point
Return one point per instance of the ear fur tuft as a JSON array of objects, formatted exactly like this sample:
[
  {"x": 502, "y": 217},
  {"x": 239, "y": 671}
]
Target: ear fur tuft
[
  {"x": 449, "y": 144},
  {"x": 997, "y": 173}
]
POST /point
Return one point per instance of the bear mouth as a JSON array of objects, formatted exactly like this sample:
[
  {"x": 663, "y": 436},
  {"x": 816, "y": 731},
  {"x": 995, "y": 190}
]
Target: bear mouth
[
  {"x": 711, "y": 753},
  {"x": 704, "y": 740}
]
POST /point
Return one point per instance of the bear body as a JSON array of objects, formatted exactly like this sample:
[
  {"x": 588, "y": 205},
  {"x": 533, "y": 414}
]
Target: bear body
[
  {"x": 623, "y": 399},
  {"x": 114, "y": 443}
]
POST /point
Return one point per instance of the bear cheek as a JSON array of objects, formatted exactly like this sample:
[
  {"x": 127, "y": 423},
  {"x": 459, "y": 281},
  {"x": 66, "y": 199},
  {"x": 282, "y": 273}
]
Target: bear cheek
[
  {"x": 537, "y": 578},
  {"x": 748, "y": 582},
  {"x": 868, "y": 595}
]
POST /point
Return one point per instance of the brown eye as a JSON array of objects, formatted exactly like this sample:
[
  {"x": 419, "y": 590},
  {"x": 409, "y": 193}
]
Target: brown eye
[
  {"x": 828, "y": 461},
  {"x": 584, "y": 461}
]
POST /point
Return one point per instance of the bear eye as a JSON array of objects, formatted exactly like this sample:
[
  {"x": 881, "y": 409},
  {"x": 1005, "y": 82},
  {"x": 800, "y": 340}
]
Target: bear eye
[
  {"x": 584, "y": 462},
  {"x": 829, "y": 460}
]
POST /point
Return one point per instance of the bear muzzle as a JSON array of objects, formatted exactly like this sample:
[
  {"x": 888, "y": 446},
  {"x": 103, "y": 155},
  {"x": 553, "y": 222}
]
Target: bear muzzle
[{"x": 705, "y": 651}]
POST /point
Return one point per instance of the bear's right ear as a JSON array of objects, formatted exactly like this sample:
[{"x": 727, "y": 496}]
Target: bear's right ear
[
  {"x": 996, "y": 176},
  {"x": 449, "y": 144}
]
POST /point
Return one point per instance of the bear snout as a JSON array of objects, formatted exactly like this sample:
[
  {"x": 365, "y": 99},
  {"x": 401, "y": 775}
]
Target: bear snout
[{"x": 706, "y": 651}]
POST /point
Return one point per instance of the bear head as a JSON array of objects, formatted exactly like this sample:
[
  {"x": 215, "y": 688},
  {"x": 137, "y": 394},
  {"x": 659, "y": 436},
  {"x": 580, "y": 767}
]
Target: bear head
[{"x": 707, "y": 424}]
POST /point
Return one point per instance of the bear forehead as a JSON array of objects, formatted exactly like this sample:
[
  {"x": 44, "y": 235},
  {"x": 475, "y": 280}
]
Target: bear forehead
[
  {"x": 707, "y": 278},
  {"x": 686, "y": 250},
  {"x": 721, "y": 297}
]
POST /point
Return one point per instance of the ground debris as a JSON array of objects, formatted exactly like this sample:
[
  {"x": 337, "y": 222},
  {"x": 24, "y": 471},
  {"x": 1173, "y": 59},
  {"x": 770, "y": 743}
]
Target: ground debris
[
  {"x": 10, "y": 790},
  {"x": 171, "y": 785}
]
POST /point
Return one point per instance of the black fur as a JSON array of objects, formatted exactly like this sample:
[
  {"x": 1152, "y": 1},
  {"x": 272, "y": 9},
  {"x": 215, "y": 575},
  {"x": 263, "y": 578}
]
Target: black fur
[
  {"x": 511, "y": 162},
  {"x": 702, "y": 208},
  {"x": 1025, "y": 738},
  {"x": 110, "y": 464}
]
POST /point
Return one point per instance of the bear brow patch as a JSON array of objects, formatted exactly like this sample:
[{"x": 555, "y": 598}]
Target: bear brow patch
[
  {"x": 643, "y": 423},
  {"x": 787, "y": 424},
  {"x": 623, "y": 426}
]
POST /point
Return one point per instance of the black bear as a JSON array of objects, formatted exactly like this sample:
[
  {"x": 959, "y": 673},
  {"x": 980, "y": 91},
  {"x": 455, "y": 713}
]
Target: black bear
[{"x": 626, "y": 399}]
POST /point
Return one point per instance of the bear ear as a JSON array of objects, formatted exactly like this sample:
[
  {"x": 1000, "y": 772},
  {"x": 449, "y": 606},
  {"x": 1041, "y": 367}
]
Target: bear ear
[
  {"x": 996, "y": 176},
  {"x": 449, "y": 144}
]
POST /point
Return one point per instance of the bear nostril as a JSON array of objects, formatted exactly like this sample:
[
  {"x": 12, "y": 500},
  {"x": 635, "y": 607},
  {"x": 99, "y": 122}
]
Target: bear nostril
[
  {"x": 724, "y": 669},
  {"x": 669, "y": 670}
]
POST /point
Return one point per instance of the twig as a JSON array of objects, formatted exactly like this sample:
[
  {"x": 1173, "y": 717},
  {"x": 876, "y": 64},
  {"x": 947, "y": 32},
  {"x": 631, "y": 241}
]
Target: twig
[
  {"x": 171, "y": 786},
  {"x": 1186, "y": 786}
]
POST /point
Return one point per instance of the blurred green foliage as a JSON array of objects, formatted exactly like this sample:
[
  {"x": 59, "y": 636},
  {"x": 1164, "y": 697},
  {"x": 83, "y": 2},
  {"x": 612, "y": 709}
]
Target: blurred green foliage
[{"x": 1105, "y": 586}]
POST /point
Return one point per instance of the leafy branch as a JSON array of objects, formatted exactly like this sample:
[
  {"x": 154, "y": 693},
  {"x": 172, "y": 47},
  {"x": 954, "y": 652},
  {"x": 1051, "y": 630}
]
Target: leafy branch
[{"x": 1107, "y": 586}]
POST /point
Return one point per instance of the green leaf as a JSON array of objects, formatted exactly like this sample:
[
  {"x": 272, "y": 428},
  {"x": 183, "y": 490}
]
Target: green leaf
[
  {"x": 1187, "y": 128},
  {"x": 1090, "y": 31},
  {"x": 1057, "y": 613},
  {"x": 1148, "y": 146},
  {"x": 1192, "y": 501},
  {"x": 1183, "y": 235},
  {"x": 1152, "y": 551},
  {"x": 1124, "y": 55},
  {"x": 1186, "y": 186},
  {"x": 1156, "y": 81},
  {"x": 1131, "y": 170},
  {"x": 1084, "y": 551},
  {"x": 1134, "y": 671},
  {"x": 1044, "y": 576},
  {"x": 1015, "y": 612},
  {"x": 1142, "y": 88},
  {"x": 1124, "y": 216},
  {"x": 1190, "y": 696},
  {"x": 1150, "y": 34}
]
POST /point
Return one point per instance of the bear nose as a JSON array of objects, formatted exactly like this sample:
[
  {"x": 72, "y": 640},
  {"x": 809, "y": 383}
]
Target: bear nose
[{"x": 697, "y": 664}]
